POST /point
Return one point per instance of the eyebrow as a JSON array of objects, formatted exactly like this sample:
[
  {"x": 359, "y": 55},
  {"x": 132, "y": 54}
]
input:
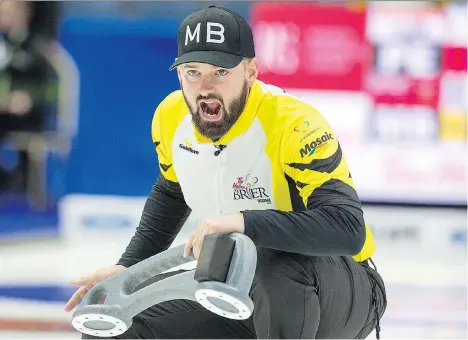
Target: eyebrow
[{"x": 196, "y": 67}]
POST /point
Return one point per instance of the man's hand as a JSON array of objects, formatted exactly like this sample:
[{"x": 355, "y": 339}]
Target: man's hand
[
  {"x": 86, "y": 283},
  {"x": 220, "y": 225}
]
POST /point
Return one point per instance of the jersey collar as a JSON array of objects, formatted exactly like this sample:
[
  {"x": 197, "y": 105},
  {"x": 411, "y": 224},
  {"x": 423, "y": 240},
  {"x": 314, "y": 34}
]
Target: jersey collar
[{"x": 244, "y": 121}]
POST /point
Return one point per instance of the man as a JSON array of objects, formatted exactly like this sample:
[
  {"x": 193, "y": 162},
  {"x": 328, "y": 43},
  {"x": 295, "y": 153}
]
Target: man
[
  {"x": 242, "y": 156},
  {"x": 27, "y": 79}
]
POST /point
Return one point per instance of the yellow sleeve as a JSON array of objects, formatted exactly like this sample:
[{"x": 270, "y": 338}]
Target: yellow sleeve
[
  {"x": 312, "y": 156},
  {"x": 313, "y": 159},
  {"x": 162, "y": 141}
]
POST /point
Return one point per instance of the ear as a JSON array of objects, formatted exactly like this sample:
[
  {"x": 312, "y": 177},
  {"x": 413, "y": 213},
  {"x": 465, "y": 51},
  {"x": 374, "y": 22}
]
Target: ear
[{"x": 252, "y": 71}]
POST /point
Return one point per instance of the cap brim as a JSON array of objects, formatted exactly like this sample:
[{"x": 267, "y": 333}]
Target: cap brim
[{"x": 216, "y": 58}]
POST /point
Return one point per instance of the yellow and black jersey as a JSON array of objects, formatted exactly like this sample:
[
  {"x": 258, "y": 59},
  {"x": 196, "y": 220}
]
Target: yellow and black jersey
[{"x": 281, "y": 165}]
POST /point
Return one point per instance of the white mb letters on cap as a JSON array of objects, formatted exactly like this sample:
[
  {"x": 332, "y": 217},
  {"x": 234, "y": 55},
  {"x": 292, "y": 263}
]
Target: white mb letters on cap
[{"x": 212, "y": 35}]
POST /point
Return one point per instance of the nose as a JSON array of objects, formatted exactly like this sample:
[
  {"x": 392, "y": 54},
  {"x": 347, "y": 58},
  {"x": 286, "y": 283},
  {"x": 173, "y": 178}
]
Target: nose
[{"x": 206, "y": 87}]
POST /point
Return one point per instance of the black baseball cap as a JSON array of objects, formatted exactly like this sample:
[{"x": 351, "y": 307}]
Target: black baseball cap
[{"x": 215, "y": 36}]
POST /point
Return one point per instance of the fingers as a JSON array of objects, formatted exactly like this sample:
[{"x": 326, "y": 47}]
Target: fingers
[
  {"x": 77, "y": 297},
  {"x": 86, "y": 280},
  {"x": 85, "y": 283},
  {"x": 196, "y": 245},
  {"x": 188, "y": 246},
  {"x": 79, "y": 282},
  {"x": 195, "y": 241}
]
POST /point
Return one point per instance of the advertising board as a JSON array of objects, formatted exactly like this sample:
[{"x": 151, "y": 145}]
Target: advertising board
[{"x": 390, "y": 77}]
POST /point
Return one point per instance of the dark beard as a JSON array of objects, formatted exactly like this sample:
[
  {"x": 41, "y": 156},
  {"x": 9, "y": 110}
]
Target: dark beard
[{"x": 215, "y": 130}]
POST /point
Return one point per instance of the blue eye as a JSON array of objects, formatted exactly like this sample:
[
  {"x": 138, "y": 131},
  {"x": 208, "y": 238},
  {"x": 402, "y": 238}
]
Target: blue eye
[{"x": 221, "y": 72}]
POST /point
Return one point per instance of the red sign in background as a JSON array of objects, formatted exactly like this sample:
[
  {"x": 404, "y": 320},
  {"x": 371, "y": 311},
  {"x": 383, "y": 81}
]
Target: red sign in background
[
  {"x": 331, "y": 47},
  {"x": 409, "y": 61},
  {"x": 399, "y": 56},
  {"x": 454, "y": 58},
  {"x": 310, "y": 45}
]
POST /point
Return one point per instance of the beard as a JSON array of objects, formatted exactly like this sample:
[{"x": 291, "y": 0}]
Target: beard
[{"x": 215, "y": 130}]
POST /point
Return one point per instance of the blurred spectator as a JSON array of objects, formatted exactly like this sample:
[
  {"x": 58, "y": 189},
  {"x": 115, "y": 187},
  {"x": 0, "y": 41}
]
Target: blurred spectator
[{"x": 27, "y": 80}]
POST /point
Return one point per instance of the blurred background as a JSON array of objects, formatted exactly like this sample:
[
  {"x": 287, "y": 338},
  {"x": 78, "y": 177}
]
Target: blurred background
[{"x": 79, "y": 82}]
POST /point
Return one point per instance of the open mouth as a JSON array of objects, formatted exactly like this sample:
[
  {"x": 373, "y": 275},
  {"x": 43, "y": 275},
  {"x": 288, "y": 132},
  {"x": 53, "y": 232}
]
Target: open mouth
[{"x": 210, "y": 110}]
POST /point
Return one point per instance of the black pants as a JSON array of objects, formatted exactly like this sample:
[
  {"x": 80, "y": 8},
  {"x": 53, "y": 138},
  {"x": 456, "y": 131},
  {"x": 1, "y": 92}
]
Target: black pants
[{"x": 295, "y": 296}]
